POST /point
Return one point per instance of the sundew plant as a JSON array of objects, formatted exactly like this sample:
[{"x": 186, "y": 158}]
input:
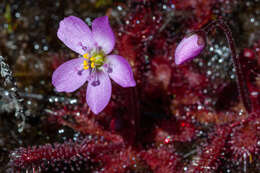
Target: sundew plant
[{"x": 135, "y": 86}]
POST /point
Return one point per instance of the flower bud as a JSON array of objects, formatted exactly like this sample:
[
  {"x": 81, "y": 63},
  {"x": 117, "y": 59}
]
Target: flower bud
[{"x": 188, "y": 48}]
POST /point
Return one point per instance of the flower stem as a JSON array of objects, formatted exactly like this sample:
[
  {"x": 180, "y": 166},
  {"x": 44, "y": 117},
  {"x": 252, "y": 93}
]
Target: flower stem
[
  {"x": 134, "y": 113},
  {"x": 241, "y": 82}
]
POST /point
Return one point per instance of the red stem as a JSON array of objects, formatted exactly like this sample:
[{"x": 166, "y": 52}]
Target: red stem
[
  {"x": 134, "y": 113},
  {"x": 241, "y": 82}
]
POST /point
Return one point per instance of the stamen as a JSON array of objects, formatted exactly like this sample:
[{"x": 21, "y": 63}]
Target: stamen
[
  {"x": 85, "y": 65},
  {"x": 92, "y": 65},
  {"x": 86, "y": 56},
  {"x": 92, "y": 58}
]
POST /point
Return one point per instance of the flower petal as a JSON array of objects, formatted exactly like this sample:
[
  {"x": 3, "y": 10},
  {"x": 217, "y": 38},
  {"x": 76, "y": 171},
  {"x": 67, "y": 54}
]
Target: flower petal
[
  {"x": 75, "y": 34},
  {"x": 98, "y": 95},
  {"x": 103, "y": 34},
  {"x": 120, "y": 71},
  {"x": 188, "y": 48},
  {"x": 70, "y": 75}
]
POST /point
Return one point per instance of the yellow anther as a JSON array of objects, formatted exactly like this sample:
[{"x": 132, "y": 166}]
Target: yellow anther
[
  {"x": 85, "y": 62},
  {"x": 85, "y": 56},
  {"x": 85, "y": 65},
  {"x": 92, "y": 58},
  {"x": 92, "y": 65}
]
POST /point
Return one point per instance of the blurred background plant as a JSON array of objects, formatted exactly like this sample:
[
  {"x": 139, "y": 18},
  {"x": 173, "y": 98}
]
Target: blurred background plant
[{"x": 178, "y": 119}]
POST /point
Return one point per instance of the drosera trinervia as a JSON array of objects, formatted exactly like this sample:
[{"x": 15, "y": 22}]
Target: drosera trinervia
[{"x": 94, "y": 65}]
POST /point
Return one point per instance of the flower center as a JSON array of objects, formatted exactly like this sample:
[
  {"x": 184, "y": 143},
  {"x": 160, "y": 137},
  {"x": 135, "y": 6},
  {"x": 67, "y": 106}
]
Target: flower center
[{"x": 93, "y": 60}]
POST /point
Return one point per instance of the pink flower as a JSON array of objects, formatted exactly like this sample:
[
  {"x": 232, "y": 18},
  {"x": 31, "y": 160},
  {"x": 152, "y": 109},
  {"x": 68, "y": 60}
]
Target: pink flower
[
  {"x": 188, "y": 48},
  {"x": 95, "y": 65}
]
